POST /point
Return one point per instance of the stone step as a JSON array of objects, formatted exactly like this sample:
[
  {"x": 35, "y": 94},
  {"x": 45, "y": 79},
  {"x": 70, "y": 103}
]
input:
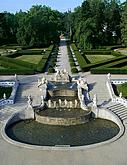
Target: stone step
[
  {"x": 118, "y": 110},
  {"x": 120, "y": 113},
  {"x": 116, "y": 106},
  {"x": 123, "y": 115},
  {"x": 124, "y": 118}
]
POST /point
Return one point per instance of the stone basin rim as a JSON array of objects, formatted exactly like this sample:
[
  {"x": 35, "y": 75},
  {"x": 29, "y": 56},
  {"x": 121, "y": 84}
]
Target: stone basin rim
[{"x": 64, "y": 147}]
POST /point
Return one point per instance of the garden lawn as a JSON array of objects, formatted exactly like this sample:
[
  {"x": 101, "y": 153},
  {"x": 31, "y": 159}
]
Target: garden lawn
[
  {"x": 1, "y": 67},
  {"x": 122, "y": 88},
  {"x": 30, "y": 58},
  {"x": 6, "y": 90},
  {"x": 96, "y": 58},
  {"x": 37, "y": 49}
]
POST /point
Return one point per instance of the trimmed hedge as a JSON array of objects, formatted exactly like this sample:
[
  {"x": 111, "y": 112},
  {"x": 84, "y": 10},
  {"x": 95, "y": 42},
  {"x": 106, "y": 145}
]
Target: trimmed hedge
[
  {"x": 17, "y": 62},
  {"x": 115, "y": 53},
  {"x": 116, "y": 64},
  {"x": 16, "y": 71},
  {"x": 82, "y": 62},
  {"x": 43, "y": 62},
  {"x": 25, "y": 52},
  {"x": 102, "y": 70},
  {"x": 97, "y": 64},
  {"x": 97, "y": 52}
]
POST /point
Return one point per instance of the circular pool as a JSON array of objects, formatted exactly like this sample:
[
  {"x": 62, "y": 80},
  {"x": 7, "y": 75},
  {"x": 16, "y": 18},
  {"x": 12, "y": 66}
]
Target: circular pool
[{"x": 32, "y": 132}]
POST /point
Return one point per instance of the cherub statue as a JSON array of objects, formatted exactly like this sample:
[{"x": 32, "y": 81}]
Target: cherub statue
[{"x": 30, "y": 100}]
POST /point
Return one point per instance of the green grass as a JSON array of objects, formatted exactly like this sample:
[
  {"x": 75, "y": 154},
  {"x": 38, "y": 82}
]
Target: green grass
[
  {"x": 1, "y": 67},
  {"x": 6, "y": 90},
  {"x": 37, "y": 49},
  {"x": 122, "y": 88},
  {"x": 30, "y": 58},
  {"x": 96, "y": 58}
]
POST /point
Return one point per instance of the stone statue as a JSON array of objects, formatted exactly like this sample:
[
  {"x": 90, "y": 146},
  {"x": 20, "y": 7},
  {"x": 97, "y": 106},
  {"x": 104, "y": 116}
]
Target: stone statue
[
  {"x": 54, "y": 104},
  {"x": 16, "y": 78},
  {"x": 120, "y": 95},
  {"x": 82, "y": 97},
  {"x": 30, "y": 100},
  {"x": 95, "y": 100},
  {"x": 42, "y": 101},
  {"x": 65, "y": 103},
  {"x": 60, "y": 102},
  {"x": 70, "y": 104},
  {"x": 4, "y": 96},
  {"x": 108, "y": 76},
  {"x": 76, "y": 103},
  {"x": 82, "y": 83},
  {"x": 49, "y": 103},
  {"x": 62, "y": 75},
  {"x": 42, "y": 81}
]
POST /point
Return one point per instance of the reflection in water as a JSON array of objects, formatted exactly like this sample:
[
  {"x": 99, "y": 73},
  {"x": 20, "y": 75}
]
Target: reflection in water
[{"x": 32, "y": 132}]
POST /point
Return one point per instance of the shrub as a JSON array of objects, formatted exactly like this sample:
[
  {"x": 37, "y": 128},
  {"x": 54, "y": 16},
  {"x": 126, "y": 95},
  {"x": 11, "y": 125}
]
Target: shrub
[
  {"x": 71, "y": 60},
  {"x": 51, "y": 70},
  {"x": 72, "y": 64},
  {"x": 74, "y": 70}
]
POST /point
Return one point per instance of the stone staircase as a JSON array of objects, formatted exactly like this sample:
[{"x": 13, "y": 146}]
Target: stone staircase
[
  {"x": 120, "y": 110},
  {"x": 100, "y": 89},
  {"x": 25, "y": 90}
]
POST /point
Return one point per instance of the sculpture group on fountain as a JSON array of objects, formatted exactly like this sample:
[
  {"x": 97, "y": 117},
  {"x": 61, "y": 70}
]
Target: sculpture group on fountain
[
  {"x": 63, "y": 104},
  {"x": 62, "y": 76}
]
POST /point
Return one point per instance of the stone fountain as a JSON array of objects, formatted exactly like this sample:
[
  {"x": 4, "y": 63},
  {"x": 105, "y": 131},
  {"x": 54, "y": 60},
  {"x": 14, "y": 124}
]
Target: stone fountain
[{"x": 62, "y": 101}]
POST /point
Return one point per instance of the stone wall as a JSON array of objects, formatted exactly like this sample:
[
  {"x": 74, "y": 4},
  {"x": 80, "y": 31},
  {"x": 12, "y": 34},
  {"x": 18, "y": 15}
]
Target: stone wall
[
  {"x": 115, "y": 98},
  {"x": 63, "y": 92},
  {"x": 63, "y": 121},
  {"x": 11, "y": 99}
]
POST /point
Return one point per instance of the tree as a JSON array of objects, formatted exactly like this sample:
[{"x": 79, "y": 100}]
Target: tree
[
  {"x": 39, "y": 26},
  {"x": 8, "y": 28},
  {"x": 124, "y": 24},
  {"x": 96, "y": 23}
]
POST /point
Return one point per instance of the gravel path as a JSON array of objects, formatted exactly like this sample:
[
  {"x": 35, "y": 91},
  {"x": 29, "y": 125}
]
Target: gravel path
[{"x": 63, "y": 60}]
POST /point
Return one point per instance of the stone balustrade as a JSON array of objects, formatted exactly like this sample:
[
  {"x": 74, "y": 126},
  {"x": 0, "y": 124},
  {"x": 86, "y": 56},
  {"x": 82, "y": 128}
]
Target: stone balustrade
[
  {"x": 115, "y": 98},
  {"x": 11, "y": 99}
]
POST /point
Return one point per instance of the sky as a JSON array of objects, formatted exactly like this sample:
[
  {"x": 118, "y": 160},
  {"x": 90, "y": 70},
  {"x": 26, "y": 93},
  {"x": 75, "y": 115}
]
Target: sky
[{"x": 15, "y": 5}]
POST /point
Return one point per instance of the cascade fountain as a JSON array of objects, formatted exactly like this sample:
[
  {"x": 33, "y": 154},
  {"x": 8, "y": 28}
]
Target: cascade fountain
[{"x": 63, "y": 117}]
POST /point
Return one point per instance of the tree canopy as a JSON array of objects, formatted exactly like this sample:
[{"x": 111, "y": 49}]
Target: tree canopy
[
  {"x": 37, "y": 27},
  {"x": 94, "y": 24}
]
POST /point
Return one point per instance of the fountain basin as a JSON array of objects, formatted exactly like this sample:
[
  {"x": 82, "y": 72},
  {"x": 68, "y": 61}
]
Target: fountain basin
[
  {"x": 63, "y": 121},
  {"x": 34, "y": 133},
  {"x": 62, "y": 89},
  {"x": 63, "y": 116},
  {"x": 22, "y": 133}
]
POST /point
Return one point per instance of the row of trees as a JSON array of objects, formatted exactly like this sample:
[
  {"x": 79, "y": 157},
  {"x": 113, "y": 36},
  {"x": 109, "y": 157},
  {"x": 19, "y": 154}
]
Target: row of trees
[
  {"x": 38, "y": 27},
  {"x": 96, "y": 23}
]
